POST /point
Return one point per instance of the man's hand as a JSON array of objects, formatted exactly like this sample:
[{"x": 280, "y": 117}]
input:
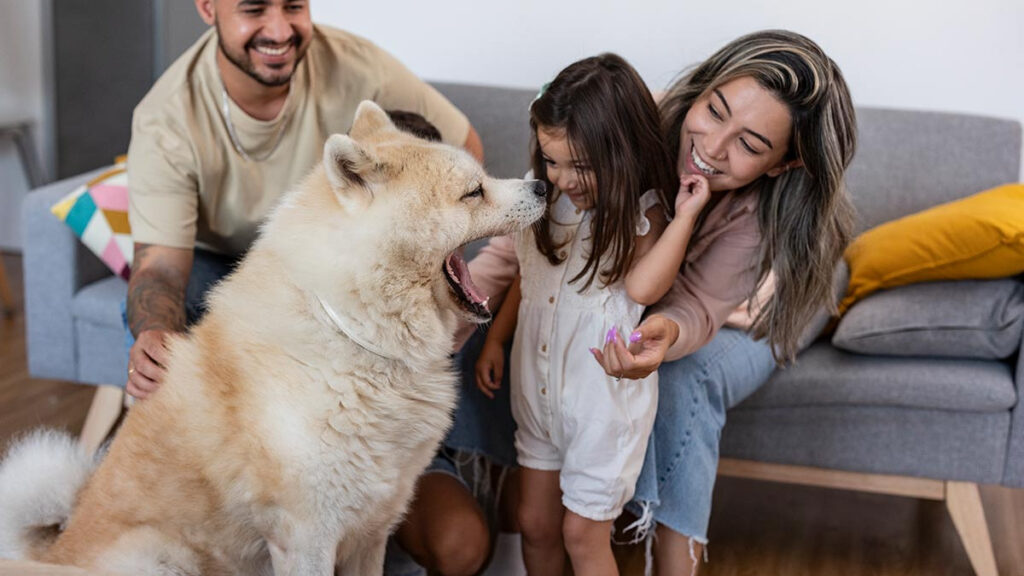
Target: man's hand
[
  {"x": 147, "y": 361},
  {"x": 156, "y": 308},
  {"x": 474, "y": 145}
]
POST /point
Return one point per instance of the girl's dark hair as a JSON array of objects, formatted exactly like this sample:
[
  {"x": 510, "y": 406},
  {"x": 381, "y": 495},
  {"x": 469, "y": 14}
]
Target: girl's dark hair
[
  {"x": 805, "y": 215},
  {"x": 610, "y": 119}
]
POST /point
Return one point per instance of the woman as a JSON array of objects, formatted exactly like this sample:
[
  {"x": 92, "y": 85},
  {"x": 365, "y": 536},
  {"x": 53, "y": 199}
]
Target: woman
[
  {"x": 768, "y": 119},
  {"x": 769, "y": 122}
]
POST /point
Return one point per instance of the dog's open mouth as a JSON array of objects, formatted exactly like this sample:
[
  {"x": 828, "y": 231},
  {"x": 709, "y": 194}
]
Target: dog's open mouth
[{"x": 457, "y": 273}]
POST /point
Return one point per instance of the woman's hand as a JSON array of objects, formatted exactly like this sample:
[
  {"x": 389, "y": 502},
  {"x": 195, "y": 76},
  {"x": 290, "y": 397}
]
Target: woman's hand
[
  {"x": 490, "y": 367},
  {"x": 645, "y": 353},
  {"x": 694, "y": 193}
]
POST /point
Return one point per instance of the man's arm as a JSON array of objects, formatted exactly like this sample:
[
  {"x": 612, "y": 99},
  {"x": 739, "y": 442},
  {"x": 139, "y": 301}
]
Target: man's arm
[
  {"x": 474, "y": 145},
  {"x": 156, "y": 308}
]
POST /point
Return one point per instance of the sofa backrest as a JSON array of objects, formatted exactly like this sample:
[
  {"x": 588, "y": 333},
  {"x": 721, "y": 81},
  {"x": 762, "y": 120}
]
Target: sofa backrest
[
  {"x": 906, "y": 160},
  {"x": 501, "y": 117},
  {"x": 909, "y": 160}
]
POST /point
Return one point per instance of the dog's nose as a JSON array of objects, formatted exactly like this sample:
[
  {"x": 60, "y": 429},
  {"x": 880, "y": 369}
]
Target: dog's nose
[{"x": 540, "y": 188}]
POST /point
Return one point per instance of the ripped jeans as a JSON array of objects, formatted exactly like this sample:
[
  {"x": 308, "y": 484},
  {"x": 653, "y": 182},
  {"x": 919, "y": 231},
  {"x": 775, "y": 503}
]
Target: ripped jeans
[{"x": 682, "y": 455}]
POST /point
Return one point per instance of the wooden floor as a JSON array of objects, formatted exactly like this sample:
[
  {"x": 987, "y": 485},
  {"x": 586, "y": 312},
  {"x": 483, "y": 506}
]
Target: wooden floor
[
  {"x": 757, "y": 528},
  {"x": 28, "y": 402}
]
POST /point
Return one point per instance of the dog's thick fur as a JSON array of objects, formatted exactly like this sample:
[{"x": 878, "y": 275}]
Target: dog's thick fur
[{"x": 278, "y": 440}]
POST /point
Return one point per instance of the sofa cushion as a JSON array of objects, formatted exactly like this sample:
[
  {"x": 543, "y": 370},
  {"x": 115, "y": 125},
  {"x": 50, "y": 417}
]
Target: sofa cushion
[
  {"x": 97, "y": 213},
  {"x": 100, "y": 302},
  {"x": 824, "y": 376},
  {"x": 981, "y": 236},
  {"x": 962, "y": 319},
  {"x": 941, "y": 444}
]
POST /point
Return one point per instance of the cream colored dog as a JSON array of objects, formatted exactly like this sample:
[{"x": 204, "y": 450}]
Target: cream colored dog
[{"x": 297, "y": 415}]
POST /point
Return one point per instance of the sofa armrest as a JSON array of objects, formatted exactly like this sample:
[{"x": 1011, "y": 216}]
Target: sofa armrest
[
  {"x": 55, "y": 265},
  {"x": 1013, "y": 472}
]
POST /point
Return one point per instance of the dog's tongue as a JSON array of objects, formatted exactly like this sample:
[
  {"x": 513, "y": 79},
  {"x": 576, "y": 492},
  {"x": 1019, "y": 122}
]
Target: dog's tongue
[{"x": 458, "y": 265}]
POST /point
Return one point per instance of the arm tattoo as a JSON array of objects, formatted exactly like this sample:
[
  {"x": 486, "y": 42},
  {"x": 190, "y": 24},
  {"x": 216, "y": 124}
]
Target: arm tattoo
[{"x": 156, "y": 294}]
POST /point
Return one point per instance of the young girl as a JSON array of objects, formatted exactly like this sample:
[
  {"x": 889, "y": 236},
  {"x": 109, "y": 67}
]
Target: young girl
[{"x": 604, "y": 250}]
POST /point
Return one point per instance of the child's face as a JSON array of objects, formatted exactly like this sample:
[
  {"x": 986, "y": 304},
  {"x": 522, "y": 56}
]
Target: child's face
[
  {"x": 574, "y": 177},
  {"x": 734, "y": 135}
]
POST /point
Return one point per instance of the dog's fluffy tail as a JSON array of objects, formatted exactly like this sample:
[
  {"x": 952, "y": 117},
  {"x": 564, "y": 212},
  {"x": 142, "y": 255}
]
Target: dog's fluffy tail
[{"x": 39, "y": 479}]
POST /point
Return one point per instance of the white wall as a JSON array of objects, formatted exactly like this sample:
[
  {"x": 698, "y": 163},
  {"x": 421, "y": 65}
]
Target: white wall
[
  {"x": 22, "y": 95},
  {"x": 962, "y": 56},
  {"x": 965, "y": 56}
]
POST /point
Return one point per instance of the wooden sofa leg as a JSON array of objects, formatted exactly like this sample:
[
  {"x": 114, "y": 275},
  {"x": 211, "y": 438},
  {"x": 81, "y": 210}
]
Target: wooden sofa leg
[
  {"x": 964, "y": 504},
  {"x": 104, "y": 411}
]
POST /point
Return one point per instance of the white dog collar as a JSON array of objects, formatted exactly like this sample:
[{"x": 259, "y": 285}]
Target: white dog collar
[{"x": 344, "y": 329}]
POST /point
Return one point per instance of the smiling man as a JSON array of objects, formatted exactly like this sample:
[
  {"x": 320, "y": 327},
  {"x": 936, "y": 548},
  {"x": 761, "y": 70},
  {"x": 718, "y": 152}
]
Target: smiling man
[
  {"x": 236, "y": 121},
  {"x": 232, "y": 124}
]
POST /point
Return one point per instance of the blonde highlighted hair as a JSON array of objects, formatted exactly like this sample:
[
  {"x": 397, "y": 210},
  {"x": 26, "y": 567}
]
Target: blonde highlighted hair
[{"x": 805, "y": 216}]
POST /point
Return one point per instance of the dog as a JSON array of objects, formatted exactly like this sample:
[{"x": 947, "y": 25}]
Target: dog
[{"x": 297, "y": 414}]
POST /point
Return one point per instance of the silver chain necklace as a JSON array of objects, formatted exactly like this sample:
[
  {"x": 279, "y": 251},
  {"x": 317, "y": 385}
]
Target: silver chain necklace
[{"x": 226, "y": 110}]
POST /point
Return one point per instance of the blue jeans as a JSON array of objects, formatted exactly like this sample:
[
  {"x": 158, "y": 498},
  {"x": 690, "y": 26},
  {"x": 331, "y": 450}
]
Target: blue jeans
[
  {"x": 682, "y": 455},
  {"x": 679, "y": 470}
]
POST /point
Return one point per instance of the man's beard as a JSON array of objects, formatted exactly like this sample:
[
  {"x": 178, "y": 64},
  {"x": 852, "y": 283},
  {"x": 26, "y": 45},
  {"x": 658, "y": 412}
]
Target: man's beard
[{"x": 244, "y": 63}]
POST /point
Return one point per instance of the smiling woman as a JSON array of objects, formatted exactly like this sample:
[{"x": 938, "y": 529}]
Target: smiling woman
[{"x": 734, "y": 149}]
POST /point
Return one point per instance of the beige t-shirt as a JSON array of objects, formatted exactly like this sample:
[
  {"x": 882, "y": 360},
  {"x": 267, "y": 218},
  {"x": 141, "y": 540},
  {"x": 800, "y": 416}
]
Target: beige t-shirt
[{"x": 189, "y": 186}]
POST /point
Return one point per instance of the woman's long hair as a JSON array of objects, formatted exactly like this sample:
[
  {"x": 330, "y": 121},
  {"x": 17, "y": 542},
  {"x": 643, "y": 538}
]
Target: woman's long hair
[
  {"x": 610, "y": 119},
  {"x": 805, "y": 216}
]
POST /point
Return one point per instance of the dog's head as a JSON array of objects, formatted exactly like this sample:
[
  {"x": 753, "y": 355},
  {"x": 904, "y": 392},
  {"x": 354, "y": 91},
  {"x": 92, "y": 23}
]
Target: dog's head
[{"x": 410, "y": 205}]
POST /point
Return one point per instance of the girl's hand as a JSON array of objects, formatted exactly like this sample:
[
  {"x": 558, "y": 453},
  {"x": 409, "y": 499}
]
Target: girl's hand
[
  {"x": 693, "y": 195},
  {"x": 490, "y": 366},
  {"x": 645, "y": 353}
]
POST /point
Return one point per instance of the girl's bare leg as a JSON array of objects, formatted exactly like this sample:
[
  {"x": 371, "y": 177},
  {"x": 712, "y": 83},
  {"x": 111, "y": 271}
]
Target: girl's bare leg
[
  {"x": 589, "y": 544},
  {"x": 540, "y": 520}
]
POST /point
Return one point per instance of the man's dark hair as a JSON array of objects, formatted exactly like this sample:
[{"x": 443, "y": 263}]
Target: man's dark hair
[{"x": 415, "y": 124}]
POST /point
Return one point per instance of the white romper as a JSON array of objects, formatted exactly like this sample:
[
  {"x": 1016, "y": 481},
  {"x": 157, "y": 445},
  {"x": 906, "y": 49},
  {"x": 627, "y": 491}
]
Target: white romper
[{"x": 570, "y": 415}]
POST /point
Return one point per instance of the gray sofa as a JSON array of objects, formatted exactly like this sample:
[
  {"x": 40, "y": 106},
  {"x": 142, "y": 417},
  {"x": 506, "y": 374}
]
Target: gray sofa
[{"x": 921, "y": 426}]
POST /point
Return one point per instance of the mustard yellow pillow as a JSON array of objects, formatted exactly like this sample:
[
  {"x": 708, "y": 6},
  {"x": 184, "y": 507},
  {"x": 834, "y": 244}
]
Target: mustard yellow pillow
[{"x": 981, "y": 236}]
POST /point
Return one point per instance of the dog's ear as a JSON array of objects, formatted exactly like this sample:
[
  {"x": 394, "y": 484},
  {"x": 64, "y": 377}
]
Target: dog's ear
[
  {"x": 370, "y": 119},
  {"x": 348, "y": 166}
]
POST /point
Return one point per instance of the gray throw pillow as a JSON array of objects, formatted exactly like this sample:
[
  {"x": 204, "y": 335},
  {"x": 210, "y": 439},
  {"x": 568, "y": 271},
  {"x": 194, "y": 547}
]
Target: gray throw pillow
[{"x": 959, "y": 319}]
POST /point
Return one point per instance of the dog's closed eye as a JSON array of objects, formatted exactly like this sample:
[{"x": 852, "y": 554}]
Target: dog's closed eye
[{"x": 476, "y": 193}]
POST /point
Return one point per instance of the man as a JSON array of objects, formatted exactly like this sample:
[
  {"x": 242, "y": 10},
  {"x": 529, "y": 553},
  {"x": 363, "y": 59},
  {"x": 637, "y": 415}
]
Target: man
[
  {"x": 239, "y": 118},
  {"x": 230, "y": 126}
]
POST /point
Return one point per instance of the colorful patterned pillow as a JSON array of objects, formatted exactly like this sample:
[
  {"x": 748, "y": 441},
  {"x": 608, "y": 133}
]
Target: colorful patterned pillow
[{"x": 98, "y": 214}]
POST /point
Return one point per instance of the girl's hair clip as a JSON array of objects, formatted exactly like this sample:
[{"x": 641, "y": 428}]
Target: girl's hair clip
[{"x": 543, "y": 89}]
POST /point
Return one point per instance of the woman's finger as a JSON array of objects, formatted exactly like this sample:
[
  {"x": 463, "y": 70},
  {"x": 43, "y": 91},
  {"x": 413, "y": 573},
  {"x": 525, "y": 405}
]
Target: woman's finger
[
  {"x": 613, "y": 365},
  {"x": 625, "y": 357}
]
